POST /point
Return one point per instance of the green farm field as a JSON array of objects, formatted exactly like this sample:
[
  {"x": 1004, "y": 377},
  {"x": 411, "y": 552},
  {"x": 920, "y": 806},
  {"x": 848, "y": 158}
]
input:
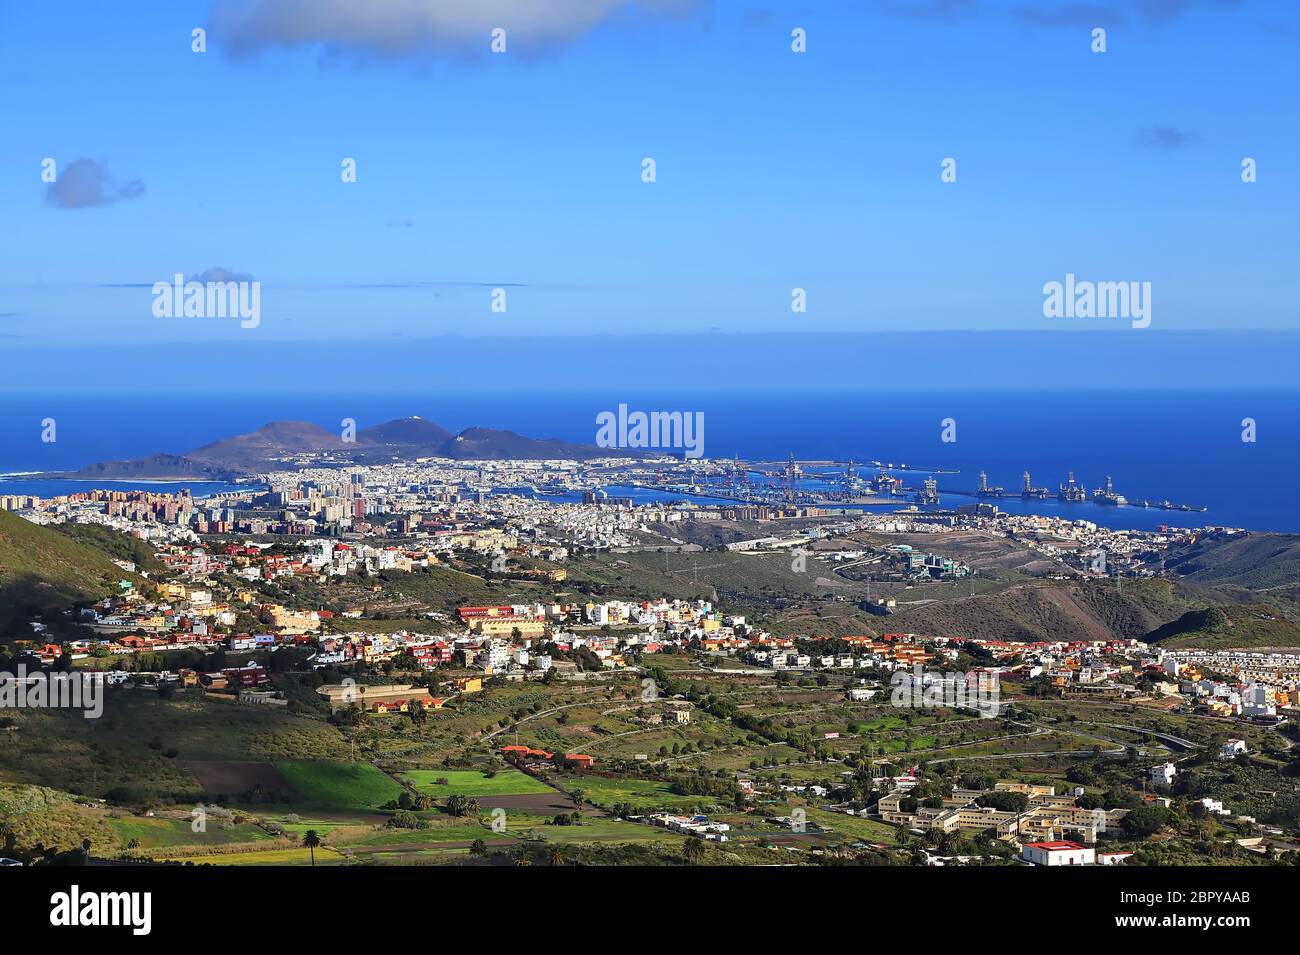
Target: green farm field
[
  {"x": 473, "y": 783},
  {"x": 157, "y": 833},
  {"x": 324, "y": 856},
  {"x": 340, "y": 785}
]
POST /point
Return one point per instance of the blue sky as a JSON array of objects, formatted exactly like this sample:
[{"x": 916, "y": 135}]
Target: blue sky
[{"x": 775, "y": 170}]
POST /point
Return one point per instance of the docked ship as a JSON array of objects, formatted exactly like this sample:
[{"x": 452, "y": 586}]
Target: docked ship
[
  {"x": 929, "y": 494},
  {"x": 885, "y": 483},
  {"x": 1165, "y": 505},
  {"x": 1107, "y": 495}
]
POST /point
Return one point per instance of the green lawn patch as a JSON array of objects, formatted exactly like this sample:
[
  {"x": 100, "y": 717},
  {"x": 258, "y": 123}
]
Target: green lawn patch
[
  {"x": 472, "y": 782},
  {"x": 640, "y": 794},
  {"x": 340, "y": 785},
  {"x": 159, "y": 833}
]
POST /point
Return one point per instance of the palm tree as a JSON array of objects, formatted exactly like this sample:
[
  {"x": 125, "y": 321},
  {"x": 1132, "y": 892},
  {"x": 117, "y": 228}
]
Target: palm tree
[
  {"x": 311, "y": 839},
  {"x": 460, "y": 805},
  {"x": 693, "y": 851}
]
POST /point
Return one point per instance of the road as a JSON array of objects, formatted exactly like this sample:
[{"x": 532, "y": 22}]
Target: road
[
  {"x": 1163, "y": 737},
  {"x": 531, "y": 716},
  {"x": 1119, "y": 751}
]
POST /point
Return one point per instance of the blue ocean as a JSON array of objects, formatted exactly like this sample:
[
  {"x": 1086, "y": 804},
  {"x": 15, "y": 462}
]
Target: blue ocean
[{"x": 1186, "y": 447}]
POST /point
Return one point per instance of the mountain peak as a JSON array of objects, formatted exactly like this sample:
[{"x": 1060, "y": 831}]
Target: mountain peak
[
  {"x": 413, "y": 431},
  {"x": 274, "y": 445}
]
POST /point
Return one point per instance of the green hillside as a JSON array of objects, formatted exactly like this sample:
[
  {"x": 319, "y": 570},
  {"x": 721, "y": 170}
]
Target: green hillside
[
  {"x": 35, "y": 814},
  {"x": 1215, "y": 628},
  {"x": 1252, "y": 560},
  {"x": 113, "y": 544},
  {"x": 43, "y": 572}
]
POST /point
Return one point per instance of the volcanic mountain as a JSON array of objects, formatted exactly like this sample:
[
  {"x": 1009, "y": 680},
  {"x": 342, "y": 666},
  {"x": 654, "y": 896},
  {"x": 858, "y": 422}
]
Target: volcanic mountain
[{"x": 288, "y": 444}]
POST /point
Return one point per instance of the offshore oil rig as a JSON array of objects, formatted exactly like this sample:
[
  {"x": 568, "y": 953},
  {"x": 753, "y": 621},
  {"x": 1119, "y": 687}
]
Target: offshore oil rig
[
  {"x": 885, "y": 483},
  {"x": 1107, "y": 495},
  {"x": 929, "y": 493},
  {"x": 792, "y": 474},
  {"x": 738, "y": 480},
  {"x": 1070, "y": 491},
  {"x": 987, "y": 490},
  {"x": 1028, "y": 491}
]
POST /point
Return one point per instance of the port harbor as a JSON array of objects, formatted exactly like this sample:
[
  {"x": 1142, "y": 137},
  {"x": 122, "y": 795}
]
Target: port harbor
[
  {"x": 1073, "y": 491},
  {"x": 829, "y": 484}
]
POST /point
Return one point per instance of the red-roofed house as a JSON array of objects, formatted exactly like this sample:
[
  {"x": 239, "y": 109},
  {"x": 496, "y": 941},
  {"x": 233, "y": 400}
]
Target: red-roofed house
[
  {"x": 525, "y": 752},
  {"x": 1060, "y": 852}
]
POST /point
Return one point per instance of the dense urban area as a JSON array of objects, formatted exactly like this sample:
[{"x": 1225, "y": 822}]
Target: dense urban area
[{"x": 441, "y": 661}]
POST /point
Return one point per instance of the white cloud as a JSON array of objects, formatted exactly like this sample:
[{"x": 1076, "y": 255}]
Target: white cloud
[
  {"x": 412, "y": 27},
  {"x": 85, "y": 183}
]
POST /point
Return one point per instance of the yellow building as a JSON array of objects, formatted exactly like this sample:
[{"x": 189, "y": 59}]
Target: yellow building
[
  {"x": 293, "y": 621},
  {"x": 506, "y": 626},
  {"x": 1027, "y": 788}
]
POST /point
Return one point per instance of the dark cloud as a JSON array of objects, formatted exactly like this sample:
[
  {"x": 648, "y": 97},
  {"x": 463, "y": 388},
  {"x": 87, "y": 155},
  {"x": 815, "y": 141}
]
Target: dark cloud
[
  {"x": 1082, "y": 15},
  {"x": 928, "y": 9},
  {"x": 402, "y": 28},
  {"x": 220, "y": 274},
  {"x": 86, "y": 183},
  {"x": 1166, "y": 137}
]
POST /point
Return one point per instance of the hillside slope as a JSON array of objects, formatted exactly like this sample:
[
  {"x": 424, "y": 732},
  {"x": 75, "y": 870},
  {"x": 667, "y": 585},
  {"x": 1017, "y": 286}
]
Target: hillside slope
[
  {"x": 43, "y": 572},
  {"x": 1055, "y": 610},
  {"x": 1257, "y": 561},
  {"x": 1216, "y": 628}
]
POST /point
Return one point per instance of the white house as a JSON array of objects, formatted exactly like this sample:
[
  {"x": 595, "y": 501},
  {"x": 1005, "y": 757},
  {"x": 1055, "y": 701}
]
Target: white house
[
  {"x": 1232, "y": 748},
  {"x": 1163, "y": 774},
  {"x": 1058, "y": 853},
  {"x": 1214, "y": 806}
]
